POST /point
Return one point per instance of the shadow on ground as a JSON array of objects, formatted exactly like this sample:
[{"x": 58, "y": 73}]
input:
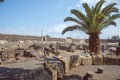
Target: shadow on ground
[
  {"x": 11, "y": 73},
  {"x": 72, "y": 77}
]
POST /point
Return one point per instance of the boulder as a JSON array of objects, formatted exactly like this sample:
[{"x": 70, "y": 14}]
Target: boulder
[{"x": 97, "y": 59}]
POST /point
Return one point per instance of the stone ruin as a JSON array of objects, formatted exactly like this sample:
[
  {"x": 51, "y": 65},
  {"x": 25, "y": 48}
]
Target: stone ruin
[{"x": 52, "y": 68}]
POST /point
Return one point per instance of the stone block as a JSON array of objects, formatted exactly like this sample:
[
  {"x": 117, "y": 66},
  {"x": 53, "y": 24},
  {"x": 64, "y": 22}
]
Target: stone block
[
  {"x": 52, "y": 70},
  {"x": 73, "y": 60},
  {"x": 111, "y": 60},
  {"x": 119, "y": 60},
  {"x": 97, "y": 59},
  {"x": 79, "y": 61},
  {"x": 86, "y": 60},
  {"x": 60, "y": 69},
  {"x": 66, "y": 62}
]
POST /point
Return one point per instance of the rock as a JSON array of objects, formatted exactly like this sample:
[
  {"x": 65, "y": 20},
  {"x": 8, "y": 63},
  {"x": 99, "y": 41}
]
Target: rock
[
  {"x": 19, "y": 52},
  {"x": 118, "y": 51},
  {"x": 29, "y": 54},
  {"x": 60, "y": 69},
  {"x": 100, "y": 70},
  {"x": 4, "y": 56},
  {"x": 66, "y": 62},
  {"x": 119, "y": 60},
  {"x": 73, "y": 60},
  {"x": 89, "y": 76},
  {"x": 78, "y": 62},
  {"x": 51, "y": 70},
  {"x": 111, "y": 60},
  {"x": 97, "y": 59},
  {"x": 86, "y": 60},
  {"x": 11, "y": 54}
]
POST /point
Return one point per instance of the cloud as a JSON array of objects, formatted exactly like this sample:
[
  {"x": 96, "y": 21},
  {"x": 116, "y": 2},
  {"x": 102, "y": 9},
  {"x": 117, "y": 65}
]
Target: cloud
[
  {"x": 88, "y": 1},
  {"x": 92, "y": 2},
  {"x": 59, "y": 28},
  {"x": 69, "y": 8},
  {"x": 78, "y": 5}
]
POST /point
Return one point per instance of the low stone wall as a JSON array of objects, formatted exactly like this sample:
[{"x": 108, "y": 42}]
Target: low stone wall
[
  {"x": 86, "y": 60},
  {"x": 54, "y": 69},
  {"x": 111, "y": 60},
  {"x": 97, "y": 60}
]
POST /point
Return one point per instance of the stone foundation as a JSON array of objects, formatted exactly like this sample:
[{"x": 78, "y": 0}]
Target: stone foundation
[
  {"x": 86, "y": 60},
  {"x": 54, "y": 69},
  {"x": 97, "y": 59}
]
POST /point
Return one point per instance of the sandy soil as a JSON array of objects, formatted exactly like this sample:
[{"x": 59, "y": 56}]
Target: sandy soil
[{"x": 111, "y": 72}]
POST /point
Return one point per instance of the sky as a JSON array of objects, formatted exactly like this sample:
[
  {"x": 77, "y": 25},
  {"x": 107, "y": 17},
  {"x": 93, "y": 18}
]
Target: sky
[{"x": 46, "y": 17}]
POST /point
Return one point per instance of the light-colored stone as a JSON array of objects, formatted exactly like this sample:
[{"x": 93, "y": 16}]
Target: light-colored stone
[
  {"x": 97, "y": 59},
  {"x": 79, "y": 60},
  {"x": 66, "y": 63},
  {"x": 52, "y": 70},
  {"x": 86, "y": 60}
]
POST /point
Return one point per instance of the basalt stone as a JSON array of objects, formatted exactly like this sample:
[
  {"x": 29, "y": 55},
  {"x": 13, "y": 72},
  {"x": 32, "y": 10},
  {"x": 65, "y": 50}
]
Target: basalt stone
[
  {"x": 89, "y": 76},
  {"x": 100, "y": 70}
]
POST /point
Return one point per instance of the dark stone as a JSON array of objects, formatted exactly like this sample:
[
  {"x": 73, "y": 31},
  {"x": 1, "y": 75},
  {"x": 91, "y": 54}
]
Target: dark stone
[{"x": 88, "y": 76}]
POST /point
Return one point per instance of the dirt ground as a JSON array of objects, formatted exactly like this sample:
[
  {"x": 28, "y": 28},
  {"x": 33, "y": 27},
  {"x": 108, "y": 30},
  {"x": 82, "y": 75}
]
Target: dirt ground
[{"x": 111, "y": 72}]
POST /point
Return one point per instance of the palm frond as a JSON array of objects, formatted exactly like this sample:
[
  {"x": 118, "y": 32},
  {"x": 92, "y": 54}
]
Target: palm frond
[
  {"x": 112, "y": 23},
  {"x": 72, "y": 28},
  {"x": 106, "y": 10},
  {"x": 98, "y": 6},
  {"x": 109, "y": 21},
  {"x": 79, "y": 15},
  {"x": 88, "y": 10},
  {"x": 72, "y": 19},
  {"x": 114, "y": 9}
]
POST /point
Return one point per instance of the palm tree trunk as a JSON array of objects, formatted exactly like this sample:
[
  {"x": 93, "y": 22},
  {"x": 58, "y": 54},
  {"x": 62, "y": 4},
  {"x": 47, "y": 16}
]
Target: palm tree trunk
[{"x": 94, "y": 43}]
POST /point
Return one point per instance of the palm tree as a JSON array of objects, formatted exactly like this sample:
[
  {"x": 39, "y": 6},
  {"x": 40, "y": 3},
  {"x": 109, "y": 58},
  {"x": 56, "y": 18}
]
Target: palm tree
[{"x": 93, "y": 22}]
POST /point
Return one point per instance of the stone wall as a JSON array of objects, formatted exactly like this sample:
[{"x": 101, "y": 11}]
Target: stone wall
[{"x": 55, "y": 68}]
